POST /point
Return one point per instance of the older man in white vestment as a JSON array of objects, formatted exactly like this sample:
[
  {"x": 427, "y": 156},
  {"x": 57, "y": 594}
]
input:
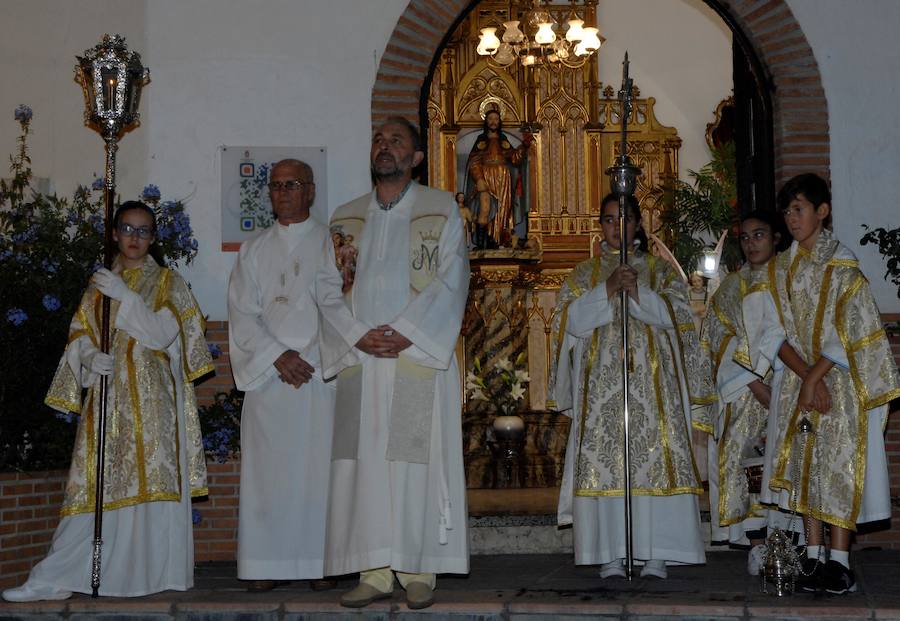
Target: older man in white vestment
[
  {"x": 397, "y": 500},
  {"x": 287, "y": 418}
]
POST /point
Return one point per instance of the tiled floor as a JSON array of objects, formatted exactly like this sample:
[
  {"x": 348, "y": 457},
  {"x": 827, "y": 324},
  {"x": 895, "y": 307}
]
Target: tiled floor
[{"x": 513, "y": 587}]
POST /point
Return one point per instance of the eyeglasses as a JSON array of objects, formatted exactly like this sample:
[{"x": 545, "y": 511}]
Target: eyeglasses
[
  {"x": 144, "y": 232},
  {"x": 287, "y": 186}
]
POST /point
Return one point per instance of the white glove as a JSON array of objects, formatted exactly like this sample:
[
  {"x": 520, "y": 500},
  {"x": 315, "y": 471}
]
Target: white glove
[
  {"x": 98, "y": 362},
  {"x": 111, "y": 285}
]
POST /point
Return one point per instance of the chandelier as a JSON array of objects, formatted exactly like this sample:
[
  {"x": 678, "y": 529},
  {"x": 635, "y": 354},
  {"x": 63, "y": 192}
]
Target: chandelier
[{"x": 539, "y": 39}]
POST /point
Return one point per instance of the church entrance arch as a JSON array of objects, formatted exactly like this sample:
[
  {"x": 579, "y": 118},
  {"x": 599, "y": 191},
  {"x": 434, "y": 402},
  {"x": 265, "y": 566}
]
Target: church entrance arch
[{"x": 770, "y": 32}]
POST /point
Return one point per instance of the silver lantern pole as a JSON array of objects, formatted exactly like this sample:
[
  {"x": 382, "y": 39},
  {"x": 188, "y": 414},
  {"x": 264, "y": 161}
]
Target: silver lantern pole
[
  {"x": 623, "y": 179},
  {"x": 111, "y": 80}
]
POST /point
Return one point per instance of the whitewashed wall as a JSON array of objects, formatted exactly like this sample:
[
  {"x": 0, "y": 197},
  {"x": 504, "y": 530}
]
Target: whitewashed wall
[
  {"x": 857, "y": 47},
  {"x": 680, "y": 54},
  {"x": 290, "y": 72}
]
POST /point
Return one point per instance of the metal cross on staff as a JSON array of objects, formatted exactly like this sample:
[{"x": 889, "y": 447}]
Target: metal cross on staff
[
  {"x": 111, "y": 80},
  {"x": 623, "y": 179}
]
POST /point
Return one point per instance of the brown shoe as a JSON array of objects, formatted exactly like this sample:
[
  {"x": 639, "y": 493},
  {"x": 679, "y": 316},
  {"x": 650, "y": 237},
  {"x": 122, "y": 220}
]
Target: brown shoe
[
  {"x": 322, "y": 584},
  {"x": 261, "y": 586},
  {"x": 363, "y": 595},
  {"x": 419, "y": 595}
]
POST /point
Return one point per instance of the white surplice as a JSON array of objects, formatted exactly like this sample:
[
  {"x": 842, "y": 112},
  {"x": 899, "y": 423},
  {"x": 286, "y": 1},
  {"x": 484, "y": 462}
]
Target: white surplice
[
  {"x": 285, "y": 431},
  {"x": 385, "y": 512}
]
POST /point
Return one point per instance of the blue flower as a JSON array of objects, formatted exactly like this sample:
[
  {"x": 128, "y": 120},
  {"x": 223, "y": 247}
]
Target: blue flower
[
  {"x": 97, "y": 184},
  {"x": 96, "y": 221},
  {"x": 16, "y": 316},
  {"x": 214, "y": 350},
  {"x": 23, "y": 259},
  {"x": 150, "y": 193},
  {"x": 23, "y": 113},
  {"x": 163, "y": 232},
  {"x": 196, "y": 516},
  {"x": 5, "y": 254},
  {"x": 51, "y": 302},
  {"x": 51, "y": 267}
]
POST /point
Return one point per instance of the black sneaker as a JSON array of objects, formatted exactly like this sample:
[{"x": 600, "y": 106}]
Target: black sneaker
[
  {"x": 812, "y": 572},
  {"x": 837, "y": 579}
]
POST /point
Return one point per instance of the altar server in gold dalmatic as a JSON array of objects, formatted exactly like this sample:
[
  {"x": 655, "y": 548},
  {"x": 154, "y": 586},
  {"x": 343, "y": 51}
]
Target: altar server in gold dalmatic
[
  {"x": 741, "y": 357},
  {"x": 154, "y": 454},
  {"x": 668, "y": 377},
  {"x": 841, "y": 377}
]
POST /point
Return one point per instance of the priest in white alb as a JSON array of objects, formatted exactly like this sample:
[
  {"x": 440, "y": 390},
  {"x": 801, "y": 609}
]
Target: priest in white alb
[
  {"x": 287, "y": 418},
  {"x": 397, "y": 503}
]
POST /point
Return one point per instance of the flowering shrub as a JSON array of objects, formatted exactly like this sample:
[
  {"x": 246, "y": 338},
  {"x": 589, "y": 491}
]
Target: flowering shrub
[
  {"x": 503, "y": 387},
  {"x": 220, "y": 424},
  {"x": 49, "y": 247}
]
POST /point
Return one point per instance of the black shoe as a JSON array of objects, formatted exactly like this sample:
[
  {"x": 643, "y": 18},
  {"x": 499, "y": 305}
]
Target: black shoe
[
  {"x": 811, "y": 574},
  {"x": 837, "y": 579}
]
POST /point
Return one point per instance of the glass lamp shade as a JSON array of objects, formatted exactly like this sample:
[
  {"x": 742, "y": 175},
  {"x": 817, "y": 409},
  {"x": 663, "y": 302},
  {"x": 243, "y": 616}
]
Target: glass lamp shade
[
  {"x": 579, "y": 49},
  {"x": 591, "y": 40},
  {"x": 545, "y": 34},
  {"x": 505, "y": 54},
  {"x": 481, "y": 49},
  {"x": 575, "y": 33},
  {"x": 528, "y": 60},
  {"x": 489, "y": 41},
  {"x": 511, "y": 33}
]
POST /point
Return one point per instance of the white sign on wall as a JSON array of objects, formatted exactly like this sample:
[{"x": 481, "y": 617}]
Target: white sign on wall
[{"x": 246, "y": 209}]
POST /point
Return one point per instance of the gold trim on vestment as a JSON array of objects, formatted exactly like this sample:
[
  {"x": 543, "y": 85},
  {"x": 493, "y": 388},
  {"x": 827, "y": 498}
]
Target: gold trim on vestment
[
  {"x": 588, "y": 367},
  {"x": 773, "y": 289},
  {"x": 75, "y": 335},
  {"x": 844, "y": 262},
  {"x": 661, "y": 418},
  {"x": 122, "y": 502},
  {"x": 820, "y": 314},
  {"x": 867, "y": 340},
  {"x": 138, "y": 419},
  {"x": 69, "y": 406},
  {"x": 641, "y": 491}
]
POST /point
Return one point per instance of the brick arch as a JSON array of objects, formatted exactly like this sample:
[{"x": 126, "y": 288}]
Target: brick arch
[{"x": 800, "y": 110}]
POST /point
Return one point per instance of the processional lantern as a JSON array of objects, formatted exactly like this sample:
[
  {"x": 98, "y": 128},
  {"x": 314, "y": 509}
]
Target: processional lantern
[{"x": 111, "y": 80}]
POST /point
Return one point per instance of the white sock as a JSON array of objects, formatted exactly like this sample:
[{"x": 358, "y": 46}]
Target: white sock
[
  {"x": 841, "y": 556},
  {"x": 816, "y": 552}
]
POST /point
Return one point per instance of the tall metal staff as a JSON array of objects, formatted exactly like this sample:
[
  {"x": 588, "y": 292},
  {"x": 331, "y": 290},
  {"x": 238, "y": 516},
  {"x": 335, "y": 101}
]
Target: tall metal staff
[
  {"x": 623, "y": 178},
  {"x": 111, "y": 80}
]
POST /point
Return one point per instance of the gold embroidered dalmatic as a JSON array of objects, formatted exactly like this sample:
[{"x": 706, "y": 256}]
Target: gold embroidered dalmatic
[
  {"x": 142, "y": 443},
  {"x": 827, "y": 309},
  {"x": 668, "y": 375},
  {"x": 741, "y": 419}
]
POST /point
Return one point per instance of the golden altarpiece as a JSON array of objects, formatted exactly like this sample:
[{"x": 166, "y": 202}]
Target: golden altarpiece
[{"x": 576, "y": 129}]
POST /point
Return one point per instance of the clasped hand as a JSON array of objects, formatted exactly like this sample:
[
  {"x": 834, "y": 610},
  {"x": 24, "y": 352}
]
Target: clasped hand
[
  {"x": 623, "y": 278},
  {"x": 383, "y": 342},
  {"x": 292, "y": 369},
  {"x": 814, "y": 395}
]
